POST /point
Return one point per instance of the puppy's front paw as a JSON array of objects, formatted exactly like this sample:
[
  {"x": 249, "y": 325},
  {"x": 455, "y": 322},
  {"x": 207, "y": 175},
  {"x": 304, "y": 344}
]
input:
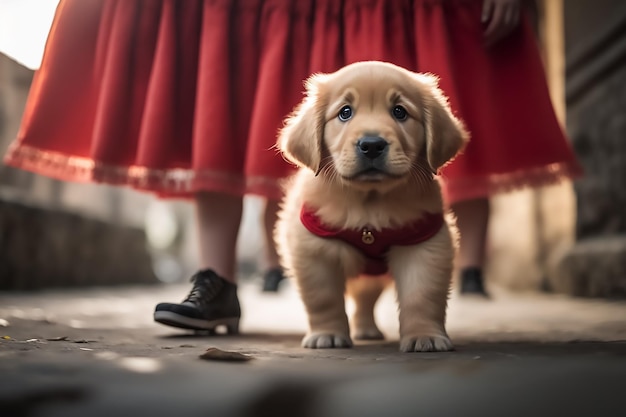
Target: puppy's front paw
[
  {"x": 326, "y": 341},
  {"x": 425, "y": 344}
]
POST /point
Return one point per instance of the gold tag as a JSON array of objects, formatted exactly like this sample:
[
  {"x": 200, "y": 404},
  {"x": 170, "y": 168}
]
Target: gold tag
[{"x": 367, "y": 237}]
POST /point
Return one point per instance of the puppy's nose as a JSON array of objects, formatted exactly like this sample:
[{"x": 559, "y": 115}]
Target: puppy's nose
[{"x": 371, "y": 146}]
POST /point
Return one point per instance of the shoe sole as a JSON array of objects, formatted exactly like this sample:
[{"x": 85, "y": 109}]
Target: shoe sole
[{"x": 176, "y": 320}]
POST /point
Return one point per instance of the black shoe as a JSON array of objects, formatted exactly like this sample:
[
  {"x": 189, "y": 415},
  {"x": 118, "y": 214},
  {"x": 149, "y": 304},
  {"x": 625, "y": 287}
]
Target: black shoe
[
  {"x": 212, "y": 302},
  {"x": 272, "y": 279},
  {"x": 472, "y": 282}
]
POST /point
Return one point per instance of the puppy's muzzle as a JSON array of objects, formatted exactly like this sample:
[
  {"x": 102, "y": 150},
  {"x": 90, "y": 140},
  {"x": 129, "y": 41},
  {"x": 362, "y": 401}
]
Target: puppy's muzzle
[{"x": 371, "y": 147}]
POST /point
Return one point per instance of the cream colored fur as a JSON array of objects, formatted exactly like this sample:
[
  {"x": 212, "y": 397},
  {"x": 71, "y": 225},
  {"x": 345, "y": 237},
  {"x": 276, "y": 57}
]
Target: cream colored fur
[{"x": 330, "y": 182}]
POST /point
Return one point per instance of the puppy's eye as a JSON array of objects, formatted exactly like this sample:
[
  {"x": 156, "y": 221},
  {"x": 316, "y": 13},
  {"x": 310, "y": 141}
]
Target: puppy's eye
[
  {"x": 345, "y": 113},
  {"x": 399, "y": 113}
]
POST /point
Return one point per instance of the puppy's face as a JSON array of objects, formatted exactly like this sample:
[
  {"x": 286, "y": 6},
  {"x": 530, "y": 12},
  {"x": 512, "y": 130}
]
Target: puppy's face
[{"x": 373, "y": 126}]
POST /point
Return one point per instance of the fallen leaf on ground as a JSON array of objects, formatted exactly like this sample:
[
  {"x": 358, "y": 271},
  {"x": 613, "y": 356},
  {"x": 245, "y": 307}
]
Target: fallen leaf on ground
[
  {"x": 57, "y": 339},
  {"x": 6, "y": 337},
  {"x": 187, "y": 346},
  {"x": 215, "y": 354}
]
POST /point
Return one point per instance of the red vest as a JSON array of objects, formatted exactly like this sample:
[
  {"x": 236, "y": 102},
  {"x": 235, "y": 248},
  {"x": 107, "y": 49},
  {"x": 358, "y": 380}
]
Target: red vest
[{"x": 374, "y": 244}]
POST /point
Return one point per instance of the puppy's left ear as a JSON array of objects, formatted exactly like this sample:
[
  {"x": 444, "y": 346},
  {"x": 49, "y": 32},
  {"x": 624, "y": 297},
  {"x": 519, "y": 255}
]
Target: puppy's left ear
[
  {"x": 445, "y": 134},
  {"x": 300, "y": 140}
]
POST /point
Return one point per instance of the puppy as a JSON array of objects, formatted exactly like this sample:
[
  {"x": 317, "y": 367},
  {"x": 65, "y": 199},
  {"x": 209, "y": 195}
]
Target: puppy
[{"x": 369, "y": 140}]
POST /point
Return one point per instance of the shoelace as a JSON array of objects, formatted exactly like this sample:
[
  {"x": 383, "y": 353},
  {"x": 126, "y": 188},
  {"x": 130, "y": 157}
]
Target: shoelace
[{"x": 204, "y": 289}]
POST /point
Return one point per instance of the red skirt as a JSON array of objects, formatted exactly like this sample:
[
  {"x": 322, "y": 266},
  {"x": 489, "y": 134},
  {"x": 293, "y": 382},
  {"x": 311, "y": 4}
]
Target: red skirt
[{"x": 181, "y": 96}]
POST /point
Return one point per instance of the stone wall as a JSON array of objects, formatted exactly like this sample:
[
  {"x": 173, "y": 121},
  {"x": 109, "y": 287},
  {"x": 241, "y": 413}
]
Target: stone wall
[
  {"x": 596, "y": 115},
  {"x": 44, "y": 248},
  {"x": 58, "y": 234}
]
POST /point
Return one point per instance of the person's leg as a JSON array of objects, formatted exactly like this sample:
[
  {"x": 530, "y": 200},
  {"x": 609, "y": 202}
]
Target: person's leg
[
  {"x": 218, "y": 217},
  {"x": 213, "y": 298},
  {"x": 270, "y": 215},
  {"x": 273, "y": 274},
  {"x": 472, "y": 220}
]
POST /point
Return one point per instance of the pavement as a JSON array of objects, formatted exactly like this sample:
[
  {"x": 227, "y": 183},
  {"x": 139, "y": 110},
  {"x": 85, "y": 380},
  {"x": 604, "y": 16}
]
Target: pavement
[{"x": 97, "y": 352}]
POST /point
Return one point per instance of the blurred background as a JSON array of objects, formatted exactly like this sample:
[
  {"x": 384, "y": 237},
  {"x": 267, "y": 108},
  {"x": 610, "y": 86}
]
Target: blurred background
[{"x": 568, "y": 239}]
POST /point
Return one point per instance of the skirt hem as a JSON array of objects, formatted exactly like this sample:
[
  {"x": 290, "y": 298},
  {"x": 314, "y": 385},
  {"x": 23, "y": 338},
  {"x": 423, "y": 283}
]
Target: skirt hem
[
  {"x": 185, "y": 182},
  {"x": 458, "y": 190},
  {"x": 166, "y": 183}
]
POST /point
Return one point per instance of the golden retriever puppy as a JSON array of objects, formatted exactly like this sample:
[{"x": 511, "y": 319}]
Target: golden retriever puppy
[{"x": 369, "y": 140}]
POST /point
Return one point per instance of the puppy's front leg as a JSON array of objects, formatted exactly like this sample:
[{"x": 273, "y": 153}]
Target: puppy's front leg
[
  {"x": 423, "y": 275},
  {"x": 322, "y": 288}
]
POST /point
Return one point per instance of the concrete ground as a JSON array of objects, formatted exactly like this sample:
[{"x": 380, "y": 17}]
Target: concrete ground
[{"x": 96, "y": 352}]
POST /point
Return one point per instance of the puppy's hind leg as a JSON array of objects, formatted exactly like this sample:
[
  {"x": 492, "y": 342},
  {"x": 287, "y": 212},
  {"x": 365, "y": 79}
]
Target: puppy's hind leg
[{"x": 365, "y": 291}]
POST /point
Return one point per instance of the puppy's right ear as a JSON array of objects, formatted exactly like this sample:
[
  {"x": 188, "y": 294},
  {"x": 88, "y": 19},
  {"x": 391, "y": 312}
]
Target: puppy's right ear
[{"x": 300, "y": 140}]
